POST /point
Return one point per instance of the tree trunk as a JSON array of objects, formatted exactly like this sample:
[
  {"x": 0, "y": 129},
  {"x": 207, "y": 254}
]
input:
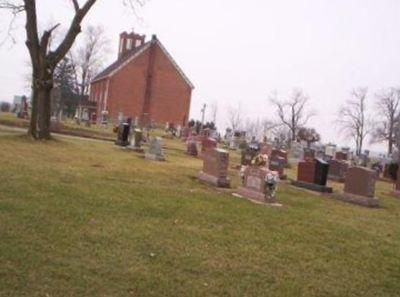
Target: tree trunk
[
  {"x": 390, "y": 140},
  {"x": 44, "y": 111},
  {"x": 32, "y": 131}
]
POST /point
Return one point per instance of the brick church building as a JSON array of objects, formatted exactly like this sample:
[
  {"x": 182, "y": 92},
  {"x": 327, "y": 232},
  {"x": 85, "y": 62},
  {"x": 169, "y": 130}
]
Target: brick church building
[{"x": 144, "y": 82}]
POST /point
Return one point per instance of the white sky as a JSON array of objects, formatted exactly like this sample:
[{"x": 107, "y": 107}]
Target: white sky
[{"x": 239, "y": 51}]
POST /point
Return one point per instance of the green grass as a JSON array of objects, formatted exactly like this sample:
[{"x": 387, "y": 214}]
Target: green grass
[
  {"x": 68, "y": 127},
  {"x": 85, "y": 218}
]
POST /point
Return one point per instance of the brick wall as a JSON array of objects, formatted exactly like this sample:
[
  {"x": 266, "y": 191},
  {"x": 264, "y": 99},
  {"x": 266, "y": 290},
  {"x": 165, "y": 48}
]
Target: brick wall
[
  {"x": 170, "y": 93},
  {"x": 127, "y": 88},
  {"x": 170, "y": 100}
]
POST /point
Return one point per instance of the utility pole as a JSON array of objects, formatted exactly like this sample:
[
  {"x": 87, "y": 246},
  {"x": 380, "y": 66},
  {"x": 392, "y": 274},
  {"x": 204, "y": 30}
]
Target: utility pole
[{"x": 203, "y": 113}]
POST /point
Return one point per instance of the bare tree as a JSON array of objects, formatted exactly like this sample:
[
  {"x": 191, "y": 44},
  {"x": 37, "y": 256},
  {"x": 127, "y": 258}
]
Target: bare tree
[
  {"x": 293, "y": 112},
  {"x": 253, "y": 128},
  {"x": 44, "y": 58},
  {"x": 353, "y": 118},
  {"x": 268, "y": 127},
  {"x": 235, "y": 117},
  {"x": 388, "y": 107},
  {"x": 309, "y": 135},
  {"x": 89, "y": 56},
  {"x": 281, "y": 135}
]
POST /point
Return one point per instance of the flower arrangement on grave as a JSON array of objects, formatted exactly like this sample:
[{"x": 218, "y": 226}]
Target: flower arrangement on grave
[
  {"x": 271, "y": 179},
  {"x": 271, "y": 185},
  {"x": 242, "y": 173},
  {"x": 260, "y": 160}
]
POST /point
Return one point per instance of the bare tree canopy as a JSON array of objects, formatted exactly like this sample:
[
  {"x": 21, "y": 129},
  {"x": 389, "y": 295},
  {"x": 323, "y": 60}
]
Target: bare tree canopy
[
  {"x": 387, "y": 113},
  {"x": 281, "y": 136},
  {"x": 235, "y": 117},
  {"x": 44, "y": 58},
  {"x": 309, "y": 135},
  {"x": 353, "y": 119},
  {"x": 88, "y": 57},
  {"x": 260, "y": 128},
  {"x": 253, "y": 128},
  {"x": 293, "y": 112}
]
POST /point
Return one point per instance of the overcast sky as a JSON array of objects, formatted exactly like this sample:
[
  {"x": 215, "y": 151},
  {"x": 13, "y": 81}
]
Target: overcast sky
[{"x": 240, "y": 51}]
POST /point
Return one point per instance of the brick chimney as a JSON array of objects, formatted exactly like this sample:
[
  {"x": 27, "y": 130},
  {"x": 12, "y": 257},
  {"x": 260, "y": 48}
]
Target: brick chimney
[{"x": 128, "y": 42}]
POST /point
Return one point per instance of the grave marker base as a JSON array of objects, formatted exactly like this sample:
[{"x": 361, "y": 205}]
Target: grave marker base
[
  {"x": 154, "y": 157},
  {"x": 396, "y": 194},
  {"x": 254, "y": 195},
  {"x": 360, "y": 200},
  {"x": 339, "y": 179},
  {"x": 221, "y": 182},
  {"x": 312, "y": 187},
  {"x": 122, "y": 143},
  {"x": 283, "y": 177}
]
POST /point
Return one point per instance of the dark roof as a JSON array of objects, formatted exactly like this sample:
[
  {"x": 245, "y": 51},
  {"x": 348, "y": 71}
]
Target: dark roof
[{"x": 119, "y": 62}]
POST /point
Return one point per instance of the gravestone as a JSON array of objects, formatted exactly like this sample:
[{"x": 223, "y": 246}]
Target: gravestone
[
  {"x": 155, "y": 150},
  {"x": 179, "y": 131},
  {"x": 104, "y": 117},
  {"x": 313, "y": 175},
  {"x": 280, "y": 153},
  {"x": 242, "y": 145},
  {"x": 359, "y": 187},
  {"x": 337, "y": 170},
  {"x": 265, "y": 149},
  {"x": 247, "y": 156},
  {"x": 277, "y": 163},
  {"x": 215, "y": 168},
  {"x": 186, "y": 133},
  {"x": 308, "y": 154},
  {"x": 137, "y": 141},
  {"x": 235, "y": 140},
  {"x": 321, "y": 172},
  {"x": 330, "y": 150},
  {"x": 364, "y": 158},
  {"x": 341, "y": 156},
  {"x": 120, "y": 118},
  {"x": 208, "y": 143},
  {"x": 123, "y": 134},
  {"x": 191, "y": 147},
  {"x": 320, "y": 154},
  {"x": 306, "y": 171},
  {"x": 296, "y": 150},
  {"x": 255, "y": 184}
]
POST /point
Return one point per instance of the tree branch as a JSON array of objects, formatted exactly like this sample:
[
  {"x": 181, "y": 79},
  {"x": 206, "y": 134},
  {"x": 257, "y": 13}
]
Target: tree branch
[
  {"x": 74, "y": 30},
  {"x": 76, "y": 5}
]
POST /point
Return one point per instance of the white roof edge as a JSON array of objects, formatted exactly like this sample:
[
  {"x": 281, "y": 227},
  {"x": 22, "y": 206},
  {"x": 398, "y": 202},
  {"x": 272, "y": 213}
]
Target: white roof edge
[
  {"x": 180, "y": 71},
  {"x": 124, "y": 64},
  {"x": 175, "y": 64}
]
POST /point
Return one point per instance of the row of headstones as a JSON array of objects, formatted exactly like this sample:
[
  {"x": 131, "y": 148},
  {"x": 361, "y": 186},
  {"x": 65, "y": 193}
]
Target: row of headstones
[
  {"x": 155, "y": 151},
  {"x": 359, "y": 182},
  {"x": 277, "y": 158},
  {"x": 259, "y": 183},
  {"x": 313, "y": 174}
]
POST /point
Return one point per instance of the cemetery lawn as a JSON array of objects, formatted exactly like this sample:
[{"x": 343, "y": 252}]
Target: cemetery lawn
[{"x": 85, "y": 218}]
